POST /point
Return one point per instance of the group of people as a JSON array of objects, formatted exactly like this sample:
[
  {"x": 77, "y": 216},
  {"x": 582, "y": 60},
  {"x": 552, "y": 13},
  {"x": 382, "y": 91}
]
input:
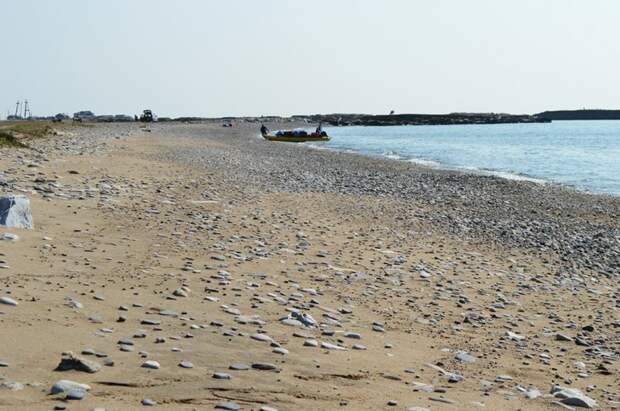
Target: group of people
[{"x": 319, "y": 130}]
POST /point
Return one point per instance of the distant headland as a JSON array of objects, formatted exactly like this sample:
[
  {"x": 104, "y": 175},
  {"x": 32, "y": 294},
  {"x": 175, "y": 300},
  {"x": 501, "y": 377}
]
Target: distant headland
[
  {"x": 422, "y": 119},
  {"x": 580, "y": 115}
]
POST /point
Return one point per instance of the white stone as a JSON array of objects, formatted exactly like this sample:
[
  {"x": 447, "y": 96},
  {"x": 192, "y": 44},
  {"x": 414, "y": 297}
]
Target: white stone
[
  {"x": 8, "y": 301},
  {"x": 15, "y": 212}
]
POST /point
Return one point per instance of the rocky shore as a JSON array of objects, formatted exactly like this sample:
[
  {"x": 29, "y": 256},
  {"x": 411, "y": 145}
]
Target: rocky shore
[
  {"x": 190, "y": 266},
  {"x": 582, "y": 230}
]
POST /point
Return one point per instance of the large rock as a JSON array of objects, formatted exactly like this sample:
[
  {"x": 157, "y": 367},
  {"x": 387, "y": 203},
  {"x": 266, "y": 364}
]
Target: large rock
[
  {"x": 73, "y": 362},
  {"x": 574, "y": 397},
  {"x": 15, "y": 212},
  {"x": 67, "y": 385}
]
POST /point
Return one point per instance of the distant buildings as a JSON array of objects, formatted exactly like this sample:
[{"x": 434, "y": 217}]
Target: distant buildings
[
  {"x": 88, "y": 115},
  {"x": 85, "y": 115}
]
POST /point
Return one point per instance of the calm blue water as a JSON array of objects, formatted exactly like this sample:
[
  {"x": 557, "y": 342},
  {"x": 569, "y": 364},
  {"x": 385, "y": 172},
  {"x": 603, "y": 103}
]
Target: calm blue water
[{"x": 581, "y": 154}]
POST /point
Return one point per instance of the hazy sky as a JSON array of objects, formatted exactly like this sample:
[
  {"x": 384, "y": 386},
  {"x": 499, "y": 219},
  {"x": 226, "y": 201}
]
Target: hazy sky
[{"x": 214, "y": 58}]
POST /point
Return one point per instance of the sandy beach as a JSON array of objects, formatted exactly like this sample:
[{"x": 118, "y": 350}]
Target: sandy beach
[{"x": 201, "y": 267}]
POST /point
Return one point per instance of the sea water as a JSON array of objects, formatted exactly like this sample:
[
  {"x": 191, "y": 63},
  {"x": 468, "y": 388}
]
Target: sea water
[{"x": 582, "y": 154}]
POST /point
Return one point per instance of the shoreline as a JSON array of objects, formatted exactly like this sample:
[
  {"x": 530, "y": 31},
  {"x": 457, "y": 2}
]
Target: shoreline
[
  {"x": 437, "y": 164},
  {"x": 434, "y": 165},
  {"x": 545, "y": 219}
]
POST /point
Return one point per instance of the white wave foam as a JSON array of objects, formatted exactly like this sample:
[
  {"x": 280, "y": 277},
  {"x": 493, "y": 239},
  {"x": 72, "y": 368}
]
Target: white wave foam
[
  {"x": 392, "y": 155},
  {"x": 516, "y": 177},
  {"x": 422, "y": 162}
]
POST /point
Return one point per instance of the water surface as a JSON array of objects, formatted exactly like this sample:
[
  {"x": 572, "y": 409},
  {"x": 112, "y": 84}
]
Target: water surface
[{"x": 581, "y": 154}]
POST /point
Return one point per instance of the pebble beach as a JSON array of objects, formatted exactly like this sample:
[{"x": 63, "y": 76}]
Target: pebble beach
[{"x": 194, "y": 267}]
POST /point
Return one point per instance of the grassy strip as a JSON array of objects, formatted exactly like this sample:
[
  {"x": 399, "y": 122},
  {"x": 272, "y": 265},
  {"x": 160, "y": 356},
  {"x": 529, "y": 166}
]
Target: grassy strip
[
  {"x": 12, "y": 134},
  {"x": 8, "y": 140},
  {"x": 31, "y": 128}
]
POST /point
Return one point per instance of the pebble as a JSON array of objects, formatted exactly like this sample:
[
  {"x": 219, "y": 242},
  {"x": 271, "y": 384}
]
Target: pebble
[
  {"x": 462, "y": 356},
  {"x": 228, "y": 406},
  {"x": 264, "y": 366},
  {"x": 8, "y": 301},
  {"x": 261, "y": 337},
  {"x": 151, "y": 364}
]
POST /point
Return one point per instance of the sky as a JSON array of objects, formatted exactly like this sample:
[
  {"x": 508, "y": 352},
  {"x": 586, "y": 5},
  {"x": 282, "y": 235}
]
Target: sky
[{"x": 282, "y": 57}]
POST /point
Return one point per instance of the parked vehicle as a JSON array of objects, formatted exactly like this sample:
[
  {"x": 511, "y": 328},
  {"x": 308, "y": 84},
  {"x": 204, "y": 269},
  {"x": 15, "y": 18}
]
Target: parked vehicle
[{"x": 147, "y": 116}]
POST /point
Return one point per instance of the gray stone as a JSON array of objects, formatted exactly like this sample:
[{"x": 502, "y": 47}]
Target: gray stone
[
  {"x": 462, "y": 356},
  {"x": 330, "y": 346},
  {"x": 264, "y": 366},
  {"x": 562, "y": 337},
  {"x": 227, "y": 406},
  {"x": 74, "y": 362},
  {"x": 573, "y": 397},
  {"x": 68, "y": 385},
  {"x": 9, "y": 237},
  {"x": 154, "y": 365},
  {"x": 261, "y": 337},
  {"x": 12, "y": 386}
]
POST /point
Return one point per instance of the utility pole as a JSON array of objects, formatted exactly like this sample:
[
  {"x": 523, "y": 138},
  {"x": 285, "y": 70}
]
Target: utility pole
[{"x": 27, "y": 112}]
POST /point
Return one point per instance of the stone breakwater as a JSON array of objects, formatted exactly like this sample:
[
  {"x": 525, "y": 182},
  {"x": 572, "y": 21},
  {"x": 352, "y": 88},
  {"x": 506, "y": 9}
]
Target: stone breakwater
[{"x": 582, "y": 230}]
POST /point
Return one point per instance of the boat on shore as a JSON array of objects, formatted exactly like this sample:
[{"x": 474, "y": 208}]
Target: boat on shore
[{"x": 295, "y": 136}]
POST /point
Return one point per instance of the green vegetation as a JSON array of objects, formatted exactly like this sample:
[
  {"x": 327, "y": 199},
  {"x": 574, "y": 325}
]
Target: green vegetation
[
  {"x": 30, "y": 128},
  {"x": 12, "y": 133},
  {"x": 8, "y": 140}
]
